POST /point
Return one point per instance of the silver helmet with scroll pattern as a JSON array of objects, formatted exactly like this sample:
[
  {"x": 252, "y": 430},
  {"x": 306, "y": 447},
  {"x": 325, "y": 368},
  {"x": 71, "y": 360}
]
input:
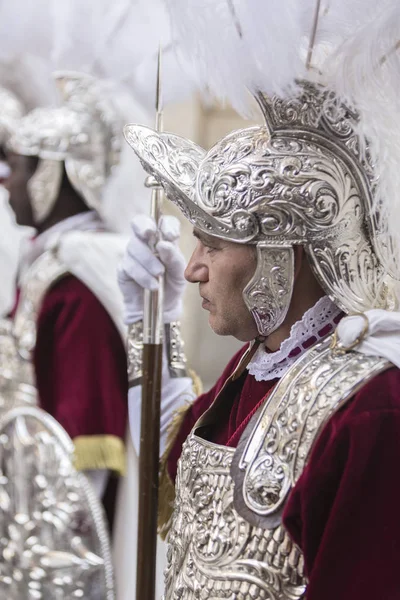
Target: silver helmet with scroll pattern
[
  {"x": 83, "y": 134},
  {"x": 306, "y": 178}
]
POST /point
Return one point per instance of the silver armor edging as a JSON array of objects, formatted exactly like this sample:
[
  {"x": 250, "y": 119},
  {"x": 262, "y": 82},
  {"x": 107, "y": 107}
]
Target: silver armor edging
[
  {"x": 272, "y": 452},
  {"x": 174, "y": 347}
]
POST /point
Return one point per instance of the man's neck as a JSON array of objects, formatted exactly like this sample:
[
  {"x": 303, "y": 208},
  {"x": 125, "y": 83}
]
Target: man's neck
[{"x": 58, "y": 217}]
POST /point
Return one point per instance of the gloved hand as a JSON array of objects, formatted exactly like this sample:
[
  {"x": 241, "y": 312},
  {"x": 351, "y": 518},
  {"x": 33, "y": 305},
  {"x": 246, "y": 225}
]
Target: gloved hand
[{"x": 140, "y": 268}]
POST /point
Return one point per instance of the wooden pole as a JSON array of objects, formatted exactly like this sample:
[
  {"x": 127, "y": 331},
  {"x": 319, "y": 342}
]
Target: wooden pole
[{"x": 150, "y": 417}]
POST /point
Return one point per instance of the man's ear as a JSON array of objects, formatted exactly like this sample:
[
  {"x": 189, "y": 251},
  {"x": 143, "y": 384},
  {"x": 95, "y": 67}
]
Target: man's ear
[{"x": 298, "y": 259}]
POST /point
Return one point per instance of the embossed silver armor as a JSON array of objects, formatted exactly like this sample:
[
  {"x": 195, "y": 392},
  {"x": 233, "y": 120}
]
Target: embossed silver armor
[
  {"x": 54, "y": 542},
  {"x": 83, "y": 134},
  {"x": 53, "y": 535},
  {"x": 226, "y": 539},
  {"x": 306, "y": 178},
  {"x": 176, "y": 357}
]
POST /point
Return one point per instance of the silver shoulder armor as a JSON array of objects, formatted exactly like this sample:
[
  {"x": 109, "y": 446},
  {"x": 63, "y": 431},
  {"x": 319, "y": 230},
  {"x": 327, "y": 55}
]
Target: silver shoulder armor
[
  {"x": 18, "y": 337},
  {"x": 274, "y": 448}
]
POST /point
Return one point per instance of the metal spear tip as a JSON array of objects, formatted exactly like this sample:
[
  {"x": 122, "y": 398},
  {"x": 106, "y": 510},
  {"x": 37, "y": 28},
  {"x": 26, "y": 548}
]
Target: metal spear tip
[
  {"x": 159, "y": 107},
  {"x": 152, "y": 182},
  {"x": 158, "y": 85}
]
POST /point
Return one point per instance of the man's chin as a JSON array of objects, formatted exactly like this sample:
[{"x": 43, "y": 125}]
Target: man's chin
[
  {"x": 217, "y": 326},
  {"x": 224, "y": 329}
]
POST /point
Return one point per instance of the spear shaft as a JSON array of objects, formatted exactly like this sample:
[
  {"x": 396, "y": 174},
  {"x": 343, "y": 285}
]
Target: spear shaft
[{"x": 151, "y": 401}]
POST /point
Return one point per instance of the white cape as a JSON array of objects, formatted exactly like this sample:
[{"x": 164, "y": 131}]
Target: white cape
[{"x": 93, "y": 257}]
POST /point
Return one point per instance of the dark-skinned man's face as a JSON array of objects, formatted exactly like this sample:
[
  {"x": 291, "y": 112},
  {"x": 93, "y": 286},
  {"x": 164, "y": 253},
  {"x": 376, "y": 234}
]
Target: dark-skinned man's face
[{"x": 21, "y": 170}]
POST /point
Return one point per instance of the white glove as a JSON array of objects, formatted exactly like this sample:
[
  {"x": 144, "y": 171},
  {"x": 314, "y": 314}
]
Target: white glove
[{"x": 140, "y": 268}]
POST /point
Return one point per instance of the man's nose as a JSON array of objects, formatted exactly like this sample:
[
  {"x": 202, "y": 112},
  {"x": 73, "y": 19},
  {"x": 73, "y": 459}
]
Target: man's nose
[{"x": 196, "y": 271}]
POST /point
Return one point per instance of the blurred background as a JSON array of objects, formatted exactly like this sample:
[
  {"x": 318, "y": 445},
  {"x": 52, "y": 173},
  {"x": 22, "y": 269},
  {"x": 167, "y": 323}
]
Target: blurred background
[{"x": 118, "y": 44}]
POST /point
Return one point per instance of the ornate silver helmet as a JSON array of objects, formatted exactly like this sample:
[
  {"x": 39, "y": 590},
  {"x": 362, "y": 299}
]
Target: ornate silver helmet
[
  {"x": 305, "y": 178},
  {"x": 82, "y": 134},
  {"x": 11, "y": 110}
]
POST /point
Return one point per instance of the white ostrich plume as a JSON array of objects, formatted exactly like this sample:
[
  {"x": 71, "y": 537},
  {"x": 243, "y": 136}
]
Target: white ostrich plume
[{"x": 352, "y": 46}]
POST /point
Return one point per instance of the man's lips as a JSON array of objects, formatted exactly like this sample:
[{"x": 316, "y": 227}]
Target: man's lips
[{"x": 205, "y": 302}]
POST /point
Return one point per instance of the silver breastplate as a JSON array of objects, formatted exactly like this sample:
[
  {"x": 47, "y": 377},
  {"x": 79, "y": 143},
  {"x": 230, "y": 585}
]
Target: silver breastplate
[
  {"x": 227, "y": 540},
  {"x": 213, "y": 551},
  {"x": 18, "y": 337}
]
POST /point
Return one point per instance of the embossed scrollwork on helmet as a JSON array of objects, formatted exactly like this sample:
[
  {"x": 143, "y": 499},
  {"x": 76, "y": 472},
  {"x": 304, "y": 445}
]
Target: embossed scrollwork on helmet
[
  {"x": 268, "y": 293},
  {"x": 83, "y": 134},
  {"x": 305, "y": 178}
]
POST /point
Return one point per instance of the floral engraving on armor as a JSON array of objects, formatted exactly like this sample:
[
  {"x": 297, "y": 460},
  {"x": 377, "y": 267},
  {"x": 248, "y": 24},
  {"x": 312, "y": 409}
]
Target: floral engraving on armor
[
  {"x": 18, "y": 338},
  {"x": 268, "y": 293},
  {"x": 267, "y": 483},
  {"x": 16, "y": 374},
  {"x": 135, "y": 353},
  {"x": 44, "y": 187},
  {"x": 174, "y": 346},
  {"x": 213, "y": 552},
  {"x": 52, "y": 533},
  {"x": 278, "y": 446},
  {"x": 175, "y": 349}
]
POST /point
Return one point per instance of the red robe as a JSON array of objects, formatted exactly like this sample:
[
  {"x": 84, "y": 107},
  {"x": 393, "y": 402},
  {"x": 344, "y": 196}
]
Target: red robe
[
  {"x": 80, "y": 363},
  {"x": 343, "y": 510}
]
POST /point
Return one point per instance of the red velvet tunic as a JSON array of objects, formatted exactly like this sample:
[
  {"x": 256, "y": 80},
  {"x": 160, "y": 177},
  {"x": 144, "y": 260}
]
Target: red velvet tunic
[
  {"x": 80, "y": 362},
  {"x": 344, "y": 510}
]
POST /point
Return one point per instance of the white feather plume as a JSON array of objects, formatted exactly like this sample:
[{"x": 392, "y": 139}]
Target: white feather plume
[
  {"x": 262, "y": 45},
  {"x": 229, "y": 44},
  {"x": 114, "y": 41},
  {"x": 365, "y": 70}
]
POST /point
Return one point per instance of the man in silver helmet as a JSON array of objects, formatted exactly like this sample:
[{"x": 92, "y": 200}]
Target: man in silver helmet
[
  {"x": 69, "y": 334},
  {"x": 283, "y": 471},
  {"x": 63, "y": 381},
  {"x": 60, "y": 160}
]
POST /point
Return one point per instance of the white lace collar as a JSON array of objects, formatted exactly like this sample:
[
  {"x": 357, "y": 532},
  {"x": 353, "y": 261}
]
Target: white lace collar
[{"x": 305, "y": 333}]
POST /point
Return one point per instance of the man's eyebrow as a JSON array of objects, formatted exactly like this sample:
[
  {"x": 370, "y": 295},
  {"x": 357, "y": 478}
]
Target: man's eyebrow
[{"x": 203, "y": 237}]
